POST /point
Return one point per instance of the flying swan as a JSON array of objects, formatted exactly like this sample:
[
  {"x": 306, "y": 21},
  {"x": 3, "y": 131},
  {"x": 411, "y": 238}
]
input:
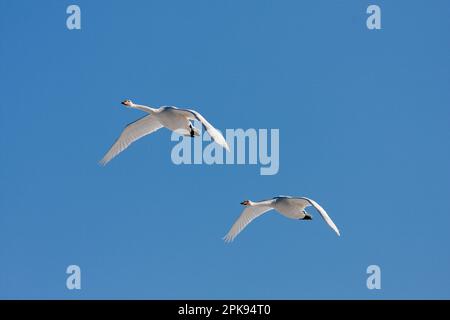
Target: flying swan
[
  {"x": 290, "y": 207},
  {"x": 175, "y": 119}
]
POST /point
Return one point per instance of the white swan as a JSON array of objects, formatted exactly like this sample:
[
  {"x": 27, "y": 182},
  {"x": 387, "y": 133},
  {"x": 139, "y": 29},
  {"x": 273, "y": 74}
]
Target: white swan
[
  {"x": 178, "y": 120},
  {"x": 290, "y": 207}
]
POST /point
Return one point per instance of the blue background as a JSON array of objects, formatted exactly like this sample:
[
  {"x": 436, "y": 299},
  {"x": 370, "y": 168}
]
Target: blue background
[{"x": 364, "y": 130}]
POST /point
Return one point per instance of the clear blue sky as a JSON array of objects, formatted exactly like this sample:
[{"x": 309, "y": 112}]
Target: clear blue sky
[{"x": 364, "y": 128}]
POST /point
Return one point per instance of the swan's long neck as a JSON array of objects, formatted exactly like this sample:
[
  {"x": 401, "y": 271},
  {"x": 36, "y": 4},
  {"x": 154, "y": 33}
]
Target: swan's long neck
[
  {"x": 143, "y": 108},
  {"x": 266, "y": 203}
]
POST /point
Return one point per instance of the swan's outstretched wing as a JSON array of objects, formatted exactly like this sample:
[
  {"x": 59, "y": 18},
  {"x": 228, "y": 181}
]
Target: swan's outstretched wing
[
  {"x": 213, "y": 132},
  {"x": 321, "y": 210},
  {"x": 244, "y": 219},
  {"x": 131, "y": 133}
]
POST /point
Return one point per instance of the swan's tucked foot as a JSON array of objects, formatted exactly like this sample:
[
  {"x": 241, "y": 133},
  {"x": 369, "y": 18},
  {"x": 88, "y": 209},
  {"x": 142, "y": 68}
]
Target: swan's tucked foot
[{"x": 193, "y": 131}]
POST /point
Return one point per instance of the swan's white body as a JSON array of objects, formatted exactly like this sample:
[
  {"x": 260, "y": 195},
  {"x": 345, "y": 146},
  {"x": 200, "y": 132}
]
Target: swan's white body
[
  {"x": 290, "y": 207},
  {"x": 172, "y": 118}
]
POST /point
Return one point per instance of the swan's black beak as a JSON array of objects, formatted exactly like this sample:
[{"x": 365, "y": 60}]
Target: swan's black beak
[
  {"x": 243, "y": 203},
  {"x": 123, "y": 102}
]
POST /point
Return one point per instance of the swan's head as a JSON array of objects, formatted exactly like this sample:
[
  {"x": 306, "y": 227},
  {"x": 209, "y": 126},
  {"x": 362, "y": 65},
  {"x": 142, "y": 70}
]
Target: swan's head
[
  {"x": 127, "y": 103},
  {"x": 246, "y": 203}
]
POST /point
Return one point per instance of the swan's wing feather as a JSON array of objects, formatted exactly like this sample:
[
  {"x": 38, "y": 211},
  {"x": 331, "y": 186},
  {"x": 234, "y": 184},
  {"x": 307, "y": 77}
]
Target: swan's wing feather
[
  {"x": 324, "y": 215},
  {"x": 247, "y": 216},
  {"x": 213, "y": 132},
  {"x": 131, "y": 133},
  {"x": 302, "y": 203}
]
